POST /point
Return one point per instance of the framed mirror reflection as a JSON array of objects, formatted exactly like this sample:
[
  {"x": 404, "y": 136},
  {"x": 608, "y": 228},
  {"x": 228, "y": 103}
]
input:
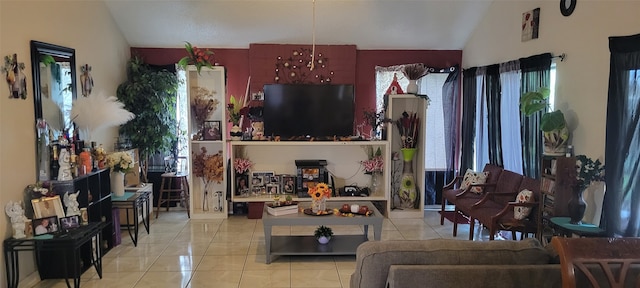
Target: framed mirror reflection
[{"x": 54, "y": 85}]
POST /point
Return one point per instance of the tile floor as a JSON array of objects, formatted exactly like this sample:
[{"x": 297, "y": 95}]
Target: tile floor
[{"x": 230, "y": 253}]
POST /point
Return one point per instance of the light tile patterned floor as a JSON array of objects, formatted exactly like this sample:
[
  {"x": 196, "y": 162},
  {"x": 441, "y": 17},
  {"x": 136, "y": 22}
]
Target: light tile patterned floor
[{"x": 230, "y": 253}]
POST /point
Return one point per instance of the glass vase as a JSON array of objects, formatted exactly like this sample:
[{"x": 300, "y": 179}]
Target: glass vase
[
  {"x": 376, "y": 184},
  {"x": 318, "y": 205},
  {"x": 408, "y": 193}
]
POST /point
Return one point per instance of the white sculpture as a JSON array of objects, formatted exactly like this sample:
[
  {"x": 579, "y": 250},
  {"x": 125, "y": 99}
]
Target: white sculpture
[
  {"x": 71, "y": 202},
  {"x": 64, "y": 173},
  {"x": 15, "y": 211}
]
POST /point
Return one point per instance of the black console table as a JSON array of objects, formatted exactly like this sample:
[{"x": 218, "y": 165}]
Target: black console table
[{"x": 68, "y": 246}]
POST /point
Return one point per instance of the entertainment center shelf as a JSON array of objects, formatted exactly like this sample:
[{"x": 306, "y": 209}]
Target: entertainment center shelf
[{"x": 343, "y": 163}]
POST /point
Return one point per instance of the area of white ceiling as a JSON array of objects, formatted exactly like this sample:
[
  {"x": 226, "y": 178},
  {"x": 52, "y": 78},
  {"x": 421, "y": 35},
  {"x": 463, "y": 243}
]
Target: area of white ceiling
[{"x": 369, "y": 24}]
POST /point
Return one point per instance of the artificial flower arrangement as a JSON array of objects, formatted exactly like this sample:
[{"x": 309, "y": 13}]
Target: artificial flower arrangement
[
  {"x": 208, "y": 167},
  {"x": 242, "y": 165},
  {"x": 203, "y": 104},
  {"x": 99, "y": 155},
  {"x": 414, "y": 71},
  {"x": 588, "y": 171},
  {"x": 408, "y": 126},
  {"x": 320, "y": 191},
  {"x": 196, "y": 56},
  {"x": 375, "y": 119},
  {"x": 236, "y": 111},
  {"x": 375, "y": 162},
  {"x": 119, "y": 162}
]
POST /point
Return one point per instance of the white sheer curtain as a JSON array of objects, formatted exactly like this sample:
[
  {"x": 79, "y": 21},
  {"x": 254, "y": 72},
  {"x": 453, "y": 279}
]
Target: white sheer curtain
[
  {"x": 482, "y": 129},
  {"x": 510, "y": 113},
  {"x": 435, "y": 150}
]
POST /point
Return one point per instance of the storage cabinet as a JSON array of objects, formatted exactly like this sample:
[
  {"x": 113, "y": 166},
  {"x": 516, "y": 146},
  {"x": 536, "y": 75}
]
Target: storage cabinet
[
  {"x": 95, "y": 195},
  {"x": 396, "y": 106},
  {"x": 208, "y": 202}
]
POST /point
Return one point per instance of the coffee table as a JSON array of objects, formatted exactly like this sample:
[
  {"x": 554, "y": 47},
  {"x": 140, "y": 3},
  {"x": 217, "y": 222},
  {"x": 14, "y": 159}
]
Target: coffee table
[{"x": 308, "y": 245}]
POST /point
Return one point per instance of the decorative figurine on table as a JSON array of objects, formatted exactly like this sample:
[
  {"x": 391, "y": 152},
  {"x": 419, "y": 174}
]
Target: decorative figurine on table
[
  {"x": 71, "y": 202},
  {"x": 15, "y": 211}
]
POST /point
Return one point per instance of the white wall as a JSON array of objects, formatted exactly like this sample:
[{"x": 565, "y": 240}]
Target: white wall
[
  {"x": 86, "y": 26},
  {"x": 582, "y": 79}
]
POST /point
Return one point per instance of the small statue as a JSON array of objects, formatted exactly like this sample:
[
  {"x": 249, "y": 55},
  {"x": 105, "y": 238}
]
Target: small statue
[
  {"x": 15, "y": 211},
  {"x": 71, "y": 202},
  {"x": 64, "y": 173}
]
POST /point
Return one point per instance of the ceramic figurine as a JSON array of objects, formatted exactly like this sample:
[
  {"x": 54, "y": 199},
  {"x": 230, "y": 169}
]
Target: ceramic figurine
[
  {"x": 64, "y": 172},
  {"x": 15, "y": 211},
  {"x": 71, "y": 202}
]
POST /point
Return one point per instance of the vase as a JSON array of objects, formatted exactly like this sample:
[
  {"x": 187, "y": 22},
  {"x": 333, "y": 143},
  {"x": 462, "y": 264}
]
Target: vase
[
  {"x": 323, "y": 239},
  {"x": 117, "y": 183},
  {"x": 408, "y": 193},
  {"x": 376, "y": 184},
  {"x": 235, "y": 132},
  {"x": 412, "y": 87},
  {"x": 577, "y": 206},
  {"x": 318, "y": 205}
]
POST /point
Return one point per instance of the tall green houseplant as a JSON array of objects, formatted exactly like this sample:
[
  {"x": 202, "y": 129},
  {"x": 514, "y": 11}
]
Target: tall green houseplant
[
  {"x": 552, "y": 124},
  {"x": 150, "y": 95}
]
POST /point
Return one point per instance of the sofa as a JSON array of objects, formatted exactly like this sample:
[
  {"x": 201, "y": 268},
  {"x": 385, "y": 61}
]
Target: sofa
[
  {"x": 494, "y": 207},
  {"x": 454, "y": 263}
]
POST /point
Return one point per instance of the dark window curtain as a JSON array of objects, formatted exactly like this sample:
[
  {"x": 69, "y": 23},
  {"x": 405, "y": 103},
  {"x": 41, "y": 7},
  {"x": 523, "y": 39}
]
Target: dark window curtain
[
  {"x": 535, "y": 74},
  {"x": 493, "y": 114},
  {"x": 468, "y": 118},
  {"x": 621, "y": 210}
]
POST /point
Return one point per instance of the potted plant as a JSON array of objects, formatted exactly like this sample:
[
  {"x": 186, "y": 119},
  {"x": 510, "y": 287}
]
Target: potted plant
[
  {"x": 552, "y": 124},
  {"x": 323, "y": 234}
]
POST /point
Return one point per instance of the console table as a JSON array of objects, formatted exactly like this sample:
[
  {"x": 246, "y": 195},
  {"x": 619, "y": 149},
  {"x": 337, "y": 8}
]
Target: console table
[
  {"x": 68, "y": 246},
  {"x": 137, "y": 200},
  {"x": 307, "y": 245}
]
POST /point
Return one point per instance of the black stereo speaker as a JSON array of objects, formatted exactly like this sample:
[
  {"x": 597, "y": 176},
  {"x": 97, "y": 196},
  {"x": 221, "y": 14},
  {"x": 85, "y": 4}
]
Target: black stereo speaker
[{"x": 310, "y": 173}]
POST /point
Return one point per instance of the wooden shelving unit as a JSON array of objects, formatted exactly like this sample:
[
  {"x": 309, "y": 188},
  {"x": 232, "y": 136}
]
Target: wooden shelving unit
[{"x": 555, "y": 188}]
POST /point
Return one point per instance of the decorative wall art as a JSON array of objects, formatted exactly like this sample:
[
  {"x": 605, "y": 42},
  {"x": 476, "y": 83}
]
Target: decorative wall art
[
  {"x": 296, "y": 69},
  {"x": 86, "y": 80},
  {"x": 530, "y": 24},
  {"x": 16, "y": 80}
]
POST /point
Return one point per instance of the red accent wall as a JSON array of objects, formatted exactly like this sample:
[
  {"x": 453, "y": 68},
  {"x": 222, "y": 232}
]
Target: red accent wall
[{"x": 349, "y": 65}]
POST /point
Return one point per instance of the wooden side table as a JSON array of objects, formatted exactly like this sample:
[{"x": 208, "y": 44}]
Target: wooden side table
[{"x": 562, "y": 225}]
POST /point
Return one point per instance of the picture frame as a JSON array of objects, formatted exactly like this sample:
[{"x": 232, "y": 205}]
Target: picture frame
[
  {"x": 261, "y": 178},
  {"x": 242, "y": 185},
  {"x": 288, "y": 184},
  {"x": 212, "y": 130},
  {"x": 45, "y": 225},
  {"x": 273, "y": 188},
  {"x": 47, "y": 206},
  {"x": 70, "y": 222}
]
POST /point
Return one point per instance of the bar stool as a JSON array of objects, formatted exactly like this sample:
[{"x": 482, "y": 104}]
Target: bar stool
[{"x": 169, "y": 194}]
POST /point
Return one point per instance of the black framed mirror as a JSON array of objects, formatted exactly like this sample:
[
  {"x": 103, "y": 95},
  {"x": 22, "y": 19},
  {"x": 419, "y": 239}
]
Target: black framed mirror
[{"x": 54, "y": 88}]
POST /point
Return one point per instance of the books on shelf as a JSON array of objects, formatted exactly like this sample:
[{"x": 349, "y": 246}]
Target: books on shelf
[{"x": 282, "y": 210}]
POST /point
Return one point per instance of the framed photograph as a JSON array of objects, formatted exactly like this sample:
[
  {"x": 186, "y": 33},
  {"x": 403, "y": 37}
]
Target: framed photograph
[
  {"x": 275, "y": 179},
  {"x": 45, "y": 225},
  {"x": 261, "y": 178},
  {"x": 212, "y": 130},
  {"x": 273, "y": 188},
  {"x": 242, "y": 185},
  {"x": 288, "y": 184},
  {"x": 70, "y": 222},
  {"x": 47, "y": 207}
]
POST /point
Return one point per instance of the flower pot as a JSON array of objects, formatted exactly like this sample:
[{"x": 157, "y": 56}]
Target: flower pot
[
  {"x": 412, "y": 87},
  {"x": 323, "y": 240},
  {"x": 117, "y": 183}
]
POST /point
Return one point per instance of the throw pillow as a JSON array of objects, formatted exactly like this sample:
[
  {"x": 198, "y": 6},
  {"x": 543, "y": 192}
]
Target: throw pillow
[
  {"x": 521, "y": 212},
  {"x": 472, "y": 177}
]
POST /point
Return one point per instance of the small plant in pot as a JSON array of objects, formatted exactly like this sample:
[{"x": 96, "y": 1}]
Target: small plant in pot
[
  {"x": 323, "y": 234},
  {"x": 552, "y": 124}
]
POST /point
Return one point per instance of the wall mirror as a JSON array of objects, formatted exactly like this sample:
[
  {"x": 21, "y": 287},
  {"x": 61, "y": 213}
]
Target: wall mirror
[{"x": 54, "y": 88}]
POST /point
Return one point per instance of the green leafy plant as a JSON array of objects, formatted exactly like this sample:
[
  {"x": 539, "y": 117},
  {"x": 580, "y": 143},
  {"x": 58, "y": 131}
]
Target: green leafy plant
[
  {"x": 196, "y": 56},
  {"x": 532, "y": 102},
  {"x": 323, "y": 231},
  {"x": 151, "y": 96},
  {"x": 588, "y": 171}
]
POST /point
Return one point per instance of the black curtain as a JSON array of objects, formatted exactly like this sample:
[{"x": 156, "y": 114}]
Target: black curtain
[
  {"x": 492, "y": 91},
  {"x": 535, "y": 74},
  {"x": 621, "y": 210},
  {"x": 468, "y": 118}
]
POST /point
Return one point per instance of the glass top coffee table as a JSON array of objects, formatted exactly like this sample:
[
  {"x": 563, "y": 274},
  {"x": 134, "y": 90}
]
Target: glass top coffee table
[{"x": 308, "y": 245}]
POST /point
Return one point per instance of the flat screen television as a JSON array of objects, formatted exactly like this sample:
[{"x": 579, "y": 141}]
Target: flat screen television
[{"x": 295, "y": 110}]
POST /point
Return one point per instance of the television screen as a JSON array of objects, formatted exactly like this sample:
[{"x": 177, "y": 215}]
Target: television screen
[{"x": 294, "y": 110}]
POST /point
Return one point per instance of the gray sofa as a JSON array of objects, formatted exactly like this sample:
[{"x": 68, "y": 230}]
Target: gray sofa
[{"x": 454, "y": 263}]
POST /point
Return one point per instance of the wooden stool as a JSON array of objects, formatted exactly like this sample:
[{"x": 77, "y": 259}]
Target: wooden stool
[{"x": 169, "y": 194}]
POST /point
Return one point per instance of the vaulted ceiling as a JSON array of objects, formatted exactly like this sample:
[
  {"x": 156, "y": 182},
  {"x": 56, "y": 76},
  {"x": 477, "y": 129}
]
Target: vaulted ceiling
[{"x": 369, "y": 24}]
